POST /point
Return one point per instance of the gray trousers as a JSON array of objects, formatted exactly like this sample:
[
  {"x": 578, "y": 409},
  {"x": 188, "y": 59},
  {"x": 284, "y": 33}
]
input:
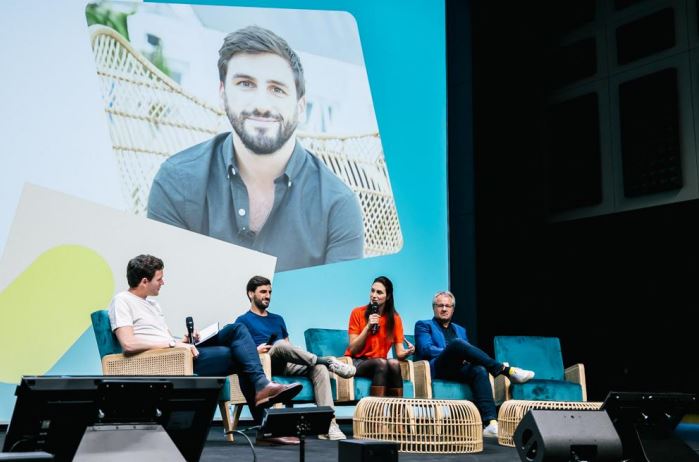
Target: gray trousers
[{"x": 288, "y": 359}]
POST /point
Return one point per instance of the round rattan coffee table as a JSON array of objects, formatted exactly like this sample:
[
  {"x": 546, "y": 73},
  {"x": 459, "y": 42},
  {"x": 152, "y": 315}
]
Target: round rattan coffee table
[
  {"x": 512, "y": 411},
  {"x": 420, "y": 425}
]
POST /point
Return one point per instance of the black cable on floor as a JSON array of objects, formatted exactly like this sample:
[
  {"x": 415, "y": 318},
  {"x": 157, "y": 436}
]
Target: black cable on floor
[{"x": 252, "y": 446}]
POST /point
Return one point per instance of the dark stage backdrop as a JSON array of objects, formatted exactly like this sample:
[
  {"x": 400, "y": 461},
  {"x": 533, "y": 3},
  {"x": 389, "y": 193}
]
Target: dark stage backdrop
[{"x": 568, "y": 243}]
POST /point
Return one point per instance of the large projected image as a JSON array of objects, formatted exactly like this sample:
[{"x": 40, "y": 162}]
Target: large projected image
[
  {"x": 101, "y": 100},
  {"x": 236, "y": 124}
]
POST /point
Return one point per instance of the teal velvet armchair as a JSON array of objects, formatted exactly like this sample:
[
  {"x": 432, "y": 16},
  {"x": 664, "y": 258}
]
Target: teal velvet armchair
[
  {"x": 333, "y": 342},
  {"x": 543, "y": 356},
  {"x": 166, "y": 361}
]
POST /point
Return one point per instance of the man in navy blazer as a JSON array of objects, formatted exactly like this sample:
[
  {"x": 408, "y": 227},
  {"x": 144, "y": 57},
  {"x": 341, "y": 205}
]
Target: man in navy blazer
[{"x": 445, "y": 345}]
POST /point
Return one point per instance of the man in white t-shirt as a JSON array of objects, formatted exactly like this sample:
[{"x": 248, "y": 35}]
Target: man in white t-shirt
[{"x": 139, "y": 325}]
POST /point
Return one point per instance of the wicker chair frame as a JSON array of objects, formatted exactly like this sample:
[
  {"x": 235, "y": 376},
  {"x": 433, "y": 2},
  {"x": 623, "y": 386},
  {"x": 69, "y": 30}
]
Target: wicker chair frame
[{"x": 179, "y": 361}]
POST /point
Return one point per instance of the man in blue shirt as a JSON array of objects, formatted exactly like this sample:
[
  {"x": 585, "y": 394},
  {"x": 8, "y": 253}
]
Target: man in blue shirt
[
  {"x": 445, "y": 345},
  {"x": 269, "y": 333},
  {"x": 256, "y": 186}
]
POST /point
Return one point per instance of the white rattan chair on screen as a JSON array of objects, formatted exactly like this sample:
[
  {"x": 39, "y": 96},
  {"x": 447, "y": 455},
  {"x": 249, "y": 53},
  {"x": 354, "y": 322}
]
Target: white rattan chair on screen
[{"x": 151, "y": 117}]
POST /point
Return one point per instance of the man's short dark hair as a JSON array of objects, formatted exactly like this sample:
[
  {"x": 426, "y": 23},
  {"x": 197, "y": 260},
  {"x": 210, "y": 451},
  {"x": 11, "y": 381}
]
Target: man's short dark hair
[
  {"x": 255, "y": 282},
  {"x": 256, "y": 40},
  {"x": 143, "y": 266}
]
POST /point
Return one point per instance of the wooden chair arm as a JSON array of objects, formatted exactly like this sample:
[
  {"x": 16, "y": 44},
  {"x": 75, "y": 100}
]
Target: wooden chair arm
[
  {"x": 491, "y": 379},
  {"x": 163, "y": 361},
  {"x": 407, "y": 370},
  {"x": 235, "y": 391},
  {"x": 344, "y": 387},
  {"x": 266, "y": 361},
  {"x": 576, "y": 374},
  {"x": 501, "y": 388},
  {"x": 237, "y": 396},
  {"x": 423, "y": 379}
]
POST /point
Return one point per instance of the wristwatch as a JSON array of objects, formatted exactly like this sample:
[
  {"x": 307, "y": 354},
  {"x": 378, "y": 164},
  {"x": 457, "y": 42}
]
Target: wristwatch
[{"x": 172, "y": 343}]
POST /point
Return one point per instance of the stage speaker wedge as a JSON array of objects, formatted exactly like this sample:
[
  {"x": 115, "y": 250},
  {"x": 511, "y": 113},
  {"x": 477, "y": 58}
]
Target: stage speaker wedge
[
  {"x": 367, "y": 451},
  {"x": 552, "y": 436}
]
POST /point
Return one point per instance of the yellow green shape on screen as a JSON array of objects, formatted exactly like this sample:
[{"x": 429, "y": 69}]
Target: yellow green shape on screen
[{"x": 47, "y": 307}]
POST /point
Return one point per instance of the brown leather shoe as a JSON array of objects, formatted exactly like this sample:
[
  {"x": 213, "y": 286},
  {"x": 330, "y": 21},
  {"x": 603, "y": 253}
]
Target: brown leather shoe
[
  {"x": 276, "y": 393},
  {"x": 269, "y": 441}
]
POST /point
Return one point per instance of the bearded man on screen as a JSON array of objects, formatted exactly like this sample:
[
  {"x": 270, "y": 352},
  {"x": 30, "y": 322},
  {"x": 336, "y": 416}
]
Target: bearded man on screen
[{"x": 257, "y": 186}]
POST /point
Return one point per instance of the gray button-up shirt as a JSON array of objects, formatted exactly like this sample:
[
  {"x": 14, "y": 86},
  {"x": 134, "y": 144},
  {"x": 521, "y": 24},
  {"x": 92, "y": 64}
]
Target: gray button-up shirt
[{"x": 315, "y": 219}]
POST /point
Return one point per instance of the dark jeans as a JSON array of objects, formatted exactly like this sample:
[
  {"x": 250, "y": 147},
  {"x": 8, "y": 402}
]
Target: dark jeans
[
  {"x": 462, "y": 362},
  {"x": 232, "y": 351},
  {"x": 382, "y": 372}
]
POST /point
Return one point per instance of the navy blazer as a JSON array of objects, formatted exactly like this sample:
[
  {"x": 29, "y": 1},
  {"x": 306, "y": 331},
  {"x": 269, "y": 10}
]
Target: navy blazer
[{"x": 430, "y": 341}]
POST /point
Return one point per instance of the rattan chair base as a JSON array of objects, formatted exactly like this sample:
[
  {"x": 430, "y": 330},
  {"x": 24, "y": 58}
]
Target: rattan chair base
[
  {"x": 513, "y": 410},
  {"x": 420, "y": 425}
]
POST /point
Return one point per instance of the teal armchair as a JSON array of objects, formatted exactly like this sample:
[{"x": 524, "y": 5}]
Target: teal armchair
[
  {"x": 333, "y": 342},
  {"x": 165, "y": 361},
  {"x": 542, "y": 355}
]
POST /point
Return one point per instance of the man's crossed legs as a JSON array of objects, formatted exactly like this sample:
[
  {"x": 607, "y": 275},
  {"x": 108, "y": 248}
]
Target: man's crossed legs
[
  {"x": 462, "y": 362},
  {"x": 290, "y": 360}
]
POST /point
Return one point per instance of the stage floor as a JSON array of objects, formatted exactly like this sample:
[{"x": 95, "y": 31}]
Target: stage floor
[
  {"x": 326, "y": 451},
  {"x": 217, "y": 449}
]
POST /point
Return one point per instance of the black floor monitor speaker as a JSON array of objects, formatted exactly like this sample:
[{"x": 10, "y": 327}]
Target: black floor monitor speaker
[
  {"x": 367, "y": 451},
  {"x": 646, "y": 423},
  {"x": 97, "y": 417},
  {"x": 552, "y": 436},
  {"x": 302, "y": 421},
  {"x": 299, "y": 422}
]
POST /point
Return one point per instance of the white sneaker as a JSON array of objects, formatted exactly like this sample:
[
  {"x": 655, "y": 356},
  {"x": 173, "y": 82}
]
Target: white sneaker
[
  {"x": 518, "y": 375},
  {"x": 334, "y": 432},
  {"x": 344, "y": 370},
  {"x": 491, "y": 431}
]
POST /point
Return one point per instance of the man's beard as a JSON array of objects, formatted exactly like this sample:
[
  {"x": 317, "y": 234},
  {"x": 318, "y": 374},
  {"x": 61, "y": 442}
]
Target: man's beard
[
  {"x": 261, "y": 141},
  {"x": 259, "y": 303}
]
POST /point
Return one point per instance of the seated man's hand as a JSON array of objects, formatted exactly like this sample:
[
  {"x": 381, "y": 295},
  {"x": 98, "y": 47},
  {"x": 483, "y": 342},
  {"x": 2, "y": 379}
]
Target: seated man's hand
[
  {"x": 195, "y": 334},
  {"x": 263, "y": 348},
  {"x": 191, "y": 347}
]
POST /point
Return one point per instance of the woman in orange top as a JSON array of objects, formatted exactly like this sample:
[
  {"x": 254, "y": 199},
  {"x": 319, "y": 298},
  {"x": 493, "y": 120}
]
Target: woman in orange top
[{"x": 373, "y": 329}]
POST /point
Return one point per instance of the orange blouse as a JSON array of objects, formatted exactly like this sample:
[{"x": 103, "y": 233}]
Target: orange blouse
[{"x": 376, "y": 345}]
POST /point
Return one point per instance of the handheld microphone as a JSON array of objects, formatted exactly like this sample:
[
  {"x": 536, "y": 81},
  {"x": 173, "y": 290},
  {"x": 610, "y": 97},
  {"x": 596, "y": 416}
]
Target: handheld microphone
[
  {"x": 190, "y": 329},
  {"x": 374, "y": 309}
]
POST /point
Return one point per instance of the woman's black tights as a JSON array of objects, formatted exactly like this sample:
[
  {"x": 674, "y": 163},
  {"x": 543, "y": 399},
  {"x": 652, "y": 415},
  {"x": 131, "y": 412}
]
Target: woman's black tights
[{"x": 382, "y": 372}]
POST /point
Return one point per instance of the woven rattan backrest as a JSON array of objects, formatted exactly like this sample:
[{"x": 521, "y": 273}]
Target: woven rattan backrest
[
  {"x": 359, "y": 162},
  {"x": 151, "y": 117}
]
